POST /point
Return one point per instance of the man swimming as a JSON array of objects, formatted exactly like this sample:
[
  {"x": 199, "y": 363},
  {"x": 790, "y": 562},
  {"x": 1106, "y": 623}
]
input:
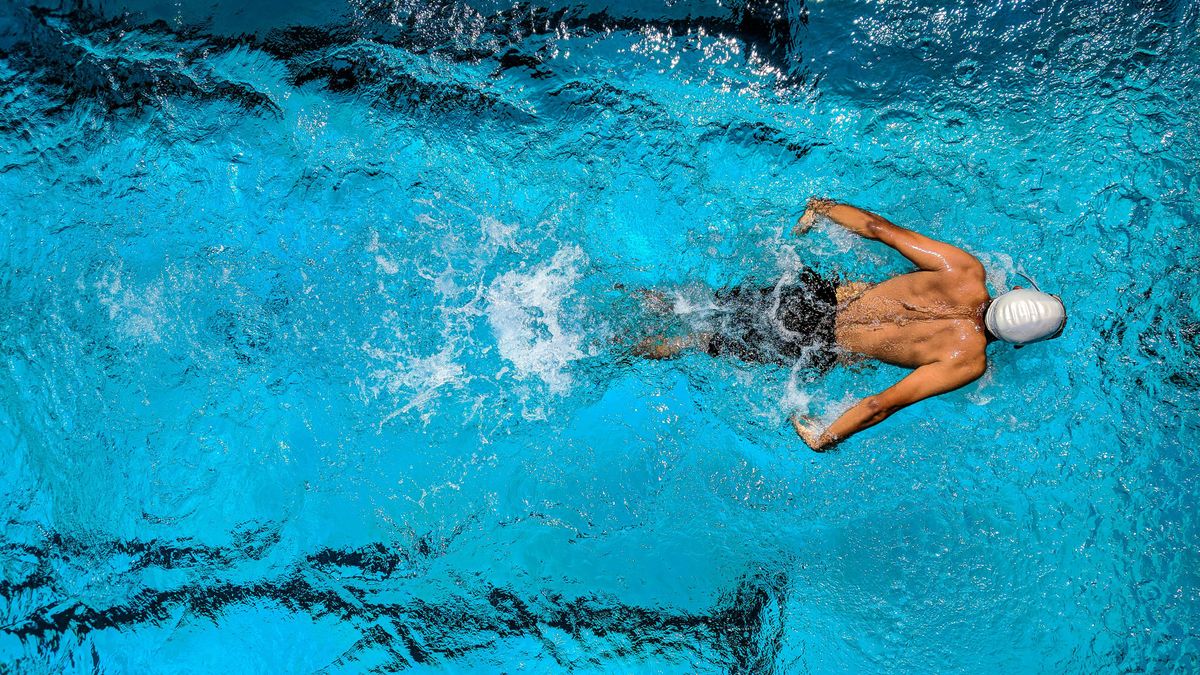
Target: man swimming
[{"x": 937, "y": 321}]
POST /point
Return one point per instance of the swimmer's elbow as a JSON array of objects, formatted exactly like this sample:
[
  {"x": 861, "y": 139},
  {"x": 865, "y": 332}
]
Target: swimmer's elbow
[
  {"x": 875, "y": 228},
  {"x": 878, "y": 409},
  {"x": 976, "y": 369},
  {"x": 969, "y": 370}
]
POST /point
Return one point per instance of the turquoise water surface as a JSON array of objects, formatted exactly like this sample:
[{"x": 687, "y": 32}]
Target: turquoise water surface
[{"x": 315, "y": 324}]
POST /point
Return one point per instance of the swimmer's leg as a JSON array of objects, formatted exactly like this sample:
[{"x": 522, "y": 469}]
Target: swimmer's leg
[{"x": 662, "y": 347}]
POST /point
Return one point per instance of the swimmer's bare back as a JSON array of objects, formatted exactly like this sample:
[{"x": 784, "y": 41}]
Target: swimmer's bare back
[{"x": 929, "y": 320}]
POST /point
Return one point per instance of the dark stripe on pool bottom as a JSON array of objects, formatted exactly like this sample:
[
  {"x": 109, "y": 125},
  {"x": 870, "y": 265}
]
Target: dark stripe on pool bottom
[{"x": 745, "y": 627}]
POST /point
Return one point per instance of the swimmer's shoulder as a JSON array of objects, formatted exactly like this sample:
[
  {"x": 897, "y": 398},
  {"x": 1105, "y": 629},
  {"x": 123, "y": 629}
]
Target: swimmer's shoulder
[
  {"x": 965, "y": 265},
  {"x": 969, "y": 352}
]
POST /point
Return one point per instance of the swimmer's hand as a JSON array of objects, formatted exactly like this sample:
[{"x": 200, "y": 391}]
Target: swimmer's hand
[
  {"x": 806, "y": 429},
  {"x": 816, "y": 207}
]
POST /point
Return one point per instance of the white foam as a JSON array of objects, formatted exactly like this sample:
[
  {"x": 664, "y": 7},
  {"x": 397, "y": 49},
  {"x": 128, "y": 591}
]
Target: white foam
[
  {"x": 841, "y": 238},
  {"x": 525, "y": 312},
  {"x": 499, "y": 233},
  {"x": 137, "y": 313},
  {"x": 798, "y": 400},
  {"x": 979, "y": 394},
  {"x": 794, "y": 252},
  {"x": 384, "y": 260},
  {"x": 795, "y": 399},
  {"x": 419, "y": 379},
  {"x": 692, "y": 301},
  {"x": 835, "y": 409},
  {"x": 787, "y": 259},
  {"x": 999, "y": 267}
]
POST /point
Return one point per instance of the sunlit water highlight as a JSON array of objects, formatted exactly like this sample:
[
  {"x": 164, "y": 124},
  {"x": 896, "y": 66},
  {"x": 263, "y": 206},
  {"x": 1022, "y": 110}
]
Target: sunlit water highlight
[{"x": 315, "y": 319}]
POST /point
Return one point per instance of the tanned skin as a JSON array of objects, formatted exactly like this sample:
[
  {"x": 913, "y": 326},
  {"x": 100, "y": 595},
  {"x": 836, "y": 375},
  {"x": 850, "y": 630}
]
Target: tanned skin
[{"x": 929, "y": 320}]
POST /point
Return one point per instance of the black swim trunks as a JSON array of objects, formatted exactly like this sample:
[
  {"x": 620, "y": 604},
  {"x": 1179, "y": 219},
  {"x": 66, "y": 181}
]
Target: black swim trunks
[{"x": 790, "y": 323}]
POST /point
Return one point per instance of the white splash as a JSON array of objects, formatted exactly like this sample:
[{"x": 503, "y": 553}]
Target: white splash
[
  {"x": 525, "y": 311},
  {"x": 384, "y": 260},
  {"x": 795, "y": 399},
  {"x": 137, "y": 313},
  {"x": 691, "y": 300},
  {"x": 980, "y": 392},
  {"x": 499, "y": 233},
  {"x": 840, "y": 238},
  {"x": 419, "y": 379},
  {"x": 999, "y": 267},
  {"x": 798, "y": 400},
  {"x": 787, "y": 260},
  {"x": 826, "y": 238},
  {"x": 834, "y": 409}
]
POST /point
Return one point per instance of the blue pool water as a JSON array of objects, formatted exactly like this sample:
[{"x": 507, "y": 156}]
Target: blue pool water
[{"x": 314, "y": 356}]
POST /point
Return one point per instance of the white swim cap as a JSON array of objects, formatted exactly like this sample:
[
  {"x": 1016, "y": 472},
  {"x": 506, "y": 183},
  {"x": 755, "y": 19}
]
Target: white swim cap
[{"x": 1024, "y": 315}]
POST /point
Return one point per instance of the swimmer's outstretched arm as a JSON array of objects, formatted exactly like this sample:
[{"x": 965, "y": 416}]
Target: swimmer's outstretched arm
[
  {"x": 928, "y": 254},
  {"x": 928, "y": 380}
]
